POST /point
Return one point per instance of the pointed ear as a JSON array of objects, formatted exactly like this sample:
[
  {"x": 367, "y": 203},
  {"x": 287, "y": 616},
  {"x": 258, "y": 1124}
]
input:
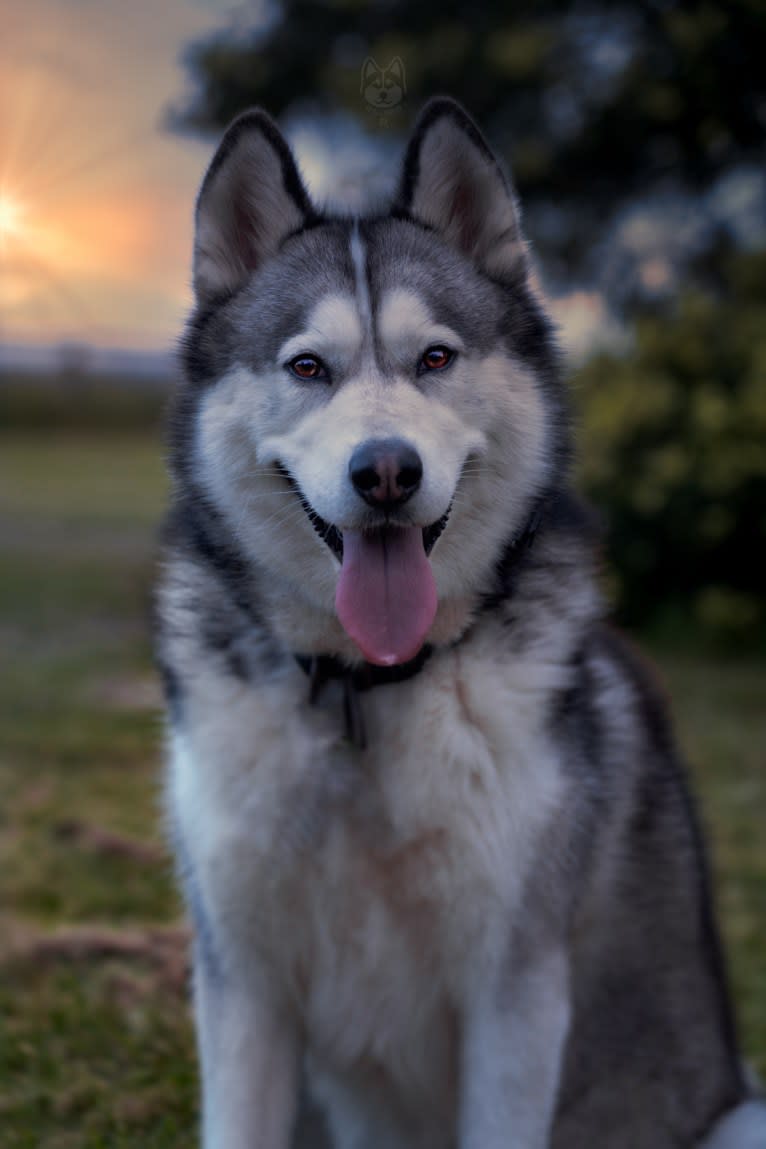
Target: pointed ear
[
  {"x": 396, "y": 68},
  {"x": 251, "y": 198},
  {"x": 369, "y": 69},
  {"x": 452, "y": 182}
]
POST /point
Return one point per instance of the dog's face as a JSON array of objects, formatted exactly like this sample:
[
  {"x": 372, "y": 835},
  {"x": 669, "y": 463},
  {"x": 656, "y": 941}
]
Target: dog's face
[
  {"x": 367, "y": 419},
  {"x": 383, "y": 88}
]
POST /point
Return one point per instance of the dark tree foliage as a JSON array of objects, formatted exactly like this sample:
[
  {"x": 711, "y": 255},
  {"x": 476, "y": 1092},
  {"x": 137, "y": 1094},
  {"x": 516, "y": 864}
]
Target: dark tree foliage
[
  {"x": 593, "y": 103},
  {"x": 674, "y": 447}
]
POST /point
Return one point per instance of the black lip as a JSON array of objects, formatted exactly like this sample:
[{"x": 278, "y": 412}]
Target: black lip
[
  {"x": 330, "y": 534},
  {"x": 326, "y": 531},
  {"x": 432, "y": 533}
]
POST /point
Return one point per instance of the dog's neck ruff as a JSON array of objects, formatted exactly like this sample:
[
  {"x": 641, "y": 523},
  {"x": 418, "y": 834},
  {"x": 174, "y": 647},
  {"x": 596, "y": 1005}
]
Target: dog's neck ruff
[{"x": 324, "y": 668}]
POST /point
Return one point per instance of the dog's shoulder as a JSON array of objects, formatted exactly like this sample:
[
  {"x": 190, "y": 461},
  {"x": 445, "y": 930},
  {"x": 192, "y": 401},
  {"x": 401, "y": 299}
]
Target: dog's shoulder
[{"x": 207, "y": 617}]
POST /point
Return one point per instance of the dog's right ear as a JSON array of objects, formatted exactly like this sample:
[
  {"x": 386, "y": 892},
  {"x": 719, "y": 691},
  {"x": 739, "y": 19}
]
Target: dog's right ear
[
  {"x": 452, "y": 183},
  {"x": 251, "y": 197}
]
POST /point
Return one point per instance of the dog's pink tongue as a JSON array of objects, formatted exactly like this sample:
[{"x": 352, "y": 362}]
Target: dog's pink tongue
[{"x": 386, "y": 594}]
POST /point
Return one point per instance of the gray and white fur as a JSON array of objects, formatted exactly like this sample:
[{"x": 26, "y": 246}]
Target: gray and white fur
[{"x": 490, "y": 928}]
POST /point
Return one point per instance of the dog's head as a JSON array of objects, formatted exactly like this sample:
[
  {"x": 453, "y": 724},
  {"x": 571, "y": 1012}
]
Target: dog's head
[{"x": 371, "y": 403}]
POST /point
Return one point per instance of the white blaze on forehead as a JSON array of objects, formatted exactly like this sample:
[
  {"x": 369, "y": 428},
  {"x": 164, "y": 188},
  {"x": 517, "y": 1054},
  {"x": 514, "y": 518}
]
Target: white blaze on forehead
[
  {"x": 404, "y": 319},
  {"x": 361, "y": 282},
  {"x": 332, "y": 329}
]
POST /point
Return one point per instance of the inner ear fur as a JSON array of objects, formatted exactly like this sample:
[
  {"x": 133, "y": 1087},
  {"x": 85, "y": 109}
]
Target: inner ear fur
[
  {"x": 452, "y": 182},
  {"x": 251, "y": 198}
]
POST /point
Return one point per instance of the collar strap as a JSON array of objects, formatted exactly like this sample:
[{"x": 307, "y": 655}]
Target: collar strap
[{"x": 324, "y": 668}]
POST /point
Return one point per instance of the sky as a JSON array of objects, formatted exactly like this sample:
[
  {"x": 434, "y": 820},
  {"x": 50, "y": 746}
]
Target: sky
[{"x": 97, "y": 195}]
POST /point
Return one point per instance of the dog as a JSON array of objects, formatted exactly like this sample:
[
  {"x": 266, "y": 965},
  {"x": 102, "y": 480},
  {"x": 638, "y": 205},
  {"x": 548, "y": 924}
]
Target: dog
[{"x": 443, "y": 868}]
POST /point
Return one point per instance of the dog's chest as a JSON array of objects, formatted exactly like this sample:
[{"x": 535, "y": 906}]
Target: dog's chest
[
  {"x": 417, "y": 869},
  {"x": 374, "y": 882}
]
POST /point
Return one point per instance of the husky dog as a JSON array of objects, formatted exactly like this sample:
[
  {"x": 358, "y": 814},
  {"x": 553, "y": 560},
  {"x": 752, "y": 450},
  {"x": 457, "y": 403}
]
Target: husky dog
[{"x": 436, "y": 843}]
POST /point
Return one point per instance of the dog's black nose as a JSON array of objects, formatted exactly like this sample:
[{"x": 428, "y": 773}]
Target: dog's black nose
[{"x": 385, "y": 472}]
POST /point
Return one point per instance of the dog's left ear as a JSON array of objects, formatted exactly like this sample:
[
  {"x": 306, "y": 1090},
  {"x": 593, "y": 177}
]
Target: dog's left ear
[
  {"x": 369, "y": 70},
  {"x": 452, "y": 182},
  {"x": 396, "y": 71},
  {"x": 252, "y": 196}
]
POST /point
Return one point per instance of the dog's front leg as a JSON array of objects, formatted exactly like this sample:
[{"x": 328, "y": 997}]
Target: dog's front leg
[
  {"x": 514, "y": 1034},
  {"x": 250, "y": 1057}
]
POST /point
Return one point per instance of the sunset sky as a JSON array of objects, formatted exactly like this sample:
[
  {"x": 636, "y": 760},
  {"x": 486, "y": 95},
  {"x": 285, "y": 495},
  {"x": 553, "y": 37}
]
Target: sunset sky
[{"x": 95, "y": 195}]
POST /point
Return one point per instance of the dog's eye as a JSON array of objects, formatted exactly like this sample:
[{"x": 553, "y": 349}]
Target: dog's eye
[
  {"x": 435, "y": 358},
  {"x": 308, "y": 367}
]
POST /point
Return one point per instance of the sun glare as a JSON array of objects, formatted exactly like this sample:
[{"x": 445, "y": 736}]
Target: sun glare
[{"x": 11, "y": 216}]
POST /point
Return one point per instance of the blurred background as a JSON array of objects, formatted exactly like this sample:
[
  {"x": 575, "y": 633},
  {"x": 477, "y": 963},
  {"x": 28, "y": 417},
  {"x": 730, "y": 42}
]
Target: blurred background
[{"x": 636, "y": 135}]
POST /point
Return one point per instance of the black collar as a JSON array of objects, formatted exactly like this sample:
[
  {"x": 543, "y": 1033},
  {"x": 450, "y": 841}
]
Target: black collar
[{"x": 323, "y": 668}]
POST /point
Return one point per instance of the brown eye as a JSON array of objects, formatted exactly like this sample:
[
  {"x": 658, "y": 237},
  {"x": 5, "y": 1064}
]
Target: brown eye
[
  {"x": 308, "y": 367},
  {"x": 436, "y": 358}
]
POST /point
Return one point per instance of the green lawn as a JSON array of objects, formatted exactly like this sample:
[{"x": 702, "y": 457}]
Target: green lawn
[
  {"x": 96, "y": 1047},
  {"x": 95, "y": 1042}
]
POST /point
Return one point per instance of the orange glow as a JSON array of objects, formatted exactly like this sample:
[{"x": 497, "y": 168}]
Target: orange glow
[
  {"x": 96, "y": 198},
  {"x": 11, "y": 217}
]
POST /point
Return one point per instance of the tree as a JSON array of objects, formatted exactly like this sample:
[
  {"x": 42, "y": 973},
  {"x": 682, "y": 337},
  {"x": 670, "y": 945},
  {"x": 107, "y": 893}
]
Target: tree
[{"x": 673, "y": 438}]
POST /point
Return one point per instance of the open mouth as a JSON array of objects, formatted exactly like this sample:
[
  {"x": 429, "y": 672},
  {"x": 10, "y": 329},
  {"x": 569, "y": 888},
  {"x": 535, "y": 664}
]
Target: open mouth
[
  {"x": 385, "y": 597},
  {"x": 333, "y": 538}
]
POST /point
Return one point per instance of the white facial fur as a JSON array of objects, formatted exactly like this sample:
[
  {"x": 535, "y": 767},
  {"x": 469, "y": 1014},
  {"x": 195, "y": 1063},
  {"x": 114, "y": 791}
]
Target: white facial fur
[
  {"x": 478, "y": 427},
  {"x": 318, "y": 448}
]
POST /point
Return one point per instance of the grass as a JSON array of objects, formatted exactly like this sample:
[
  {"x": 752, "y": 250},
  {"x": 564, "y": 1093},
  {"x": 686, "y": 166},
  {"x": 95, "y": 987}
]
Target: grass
[
  {"x": 721, "y": 719},
  {"x": 96, "y": 1047}
]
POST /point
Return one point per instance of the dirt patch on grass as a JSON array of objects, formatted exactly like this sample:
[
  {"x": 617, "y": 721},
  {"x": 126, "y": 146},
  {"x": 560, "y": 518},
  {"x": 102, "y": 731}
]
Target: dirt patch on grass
[
  {"x": 127, "y": 692},
  {"x": 158, "y": 954},
  {"x": 98, "y": 840}
]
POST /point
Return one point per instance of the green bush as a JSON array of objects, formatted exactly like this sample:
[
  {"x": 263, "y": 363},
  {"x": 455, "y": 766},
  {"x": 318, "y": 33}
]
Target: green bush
[{"x": 673, "y": 449}]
